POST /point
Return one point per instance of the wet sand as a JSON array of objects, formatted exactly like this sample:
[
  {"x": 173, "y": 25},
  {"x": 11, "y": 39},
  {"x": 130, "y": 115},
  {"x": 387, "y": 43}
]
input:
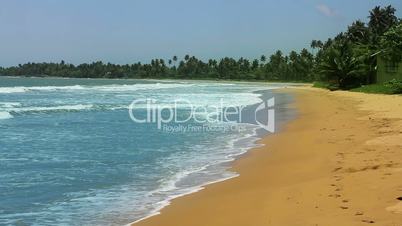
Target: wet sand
[{"x": 338, "y": 163}]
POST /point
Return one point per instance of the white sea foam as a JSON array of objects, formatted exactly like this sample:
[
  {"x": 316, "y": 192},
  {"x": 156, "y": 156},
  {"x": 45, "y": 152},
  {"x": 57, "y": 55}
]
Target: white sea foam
[
  {"x": 23, "y": 89},
  {"x": 5, "y": 115},
  {"x": 171, "y": 187},
  {"x": 9, "y": 104},
  {"x": 77, "y": 107},
  {"x": 19, "y": 89},
  {"x": 7, "y": 108},
  {"x": 126, "y": 88},
  {"x": 53, "y": 88},
  {"x": 104, "y": 88}
]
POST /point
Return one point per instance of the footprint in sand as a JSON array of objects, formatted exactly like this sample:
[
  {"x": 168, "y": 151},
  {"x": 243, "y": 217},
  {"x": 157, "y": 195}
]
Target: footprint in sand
[
  {"x": 368, "y": 221},
  {"x": 359, "y": 213},
  {"x": 337, "y": 169},
  {"x": 334, "y": 195},
  {"x": 395, "y": 208}
]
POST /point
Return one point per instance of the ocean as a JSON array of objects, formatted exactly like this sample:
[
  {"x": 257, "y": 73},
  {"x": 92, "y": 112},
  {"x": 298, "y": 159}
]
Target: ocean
[{"x": 72, "y": 154}]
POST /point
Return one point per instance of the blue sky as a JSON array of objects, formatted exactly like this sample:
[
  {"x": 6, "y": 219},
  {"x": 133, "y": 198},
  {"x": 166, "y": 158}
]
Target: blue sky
[{"x": 128, "y": 31}]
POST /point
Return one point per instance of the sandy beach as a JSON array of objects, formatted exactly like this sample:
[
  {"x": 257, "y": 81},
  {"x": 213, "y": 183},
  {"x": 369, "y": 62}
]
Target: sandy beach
[{"x": 338, "y": 163}]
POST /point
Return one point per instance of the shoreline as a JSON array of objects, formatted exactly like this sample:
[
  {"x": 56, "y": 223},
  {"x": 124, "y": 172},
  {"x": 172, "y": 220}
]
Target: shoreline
[
  {"x": 267, "y": 198},
  {"x": 245, "y": 144}
]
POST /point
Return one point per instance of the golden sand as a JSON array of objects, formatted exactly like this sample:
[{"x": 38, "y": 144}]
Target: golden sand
[{"x": 338, "y": 163}]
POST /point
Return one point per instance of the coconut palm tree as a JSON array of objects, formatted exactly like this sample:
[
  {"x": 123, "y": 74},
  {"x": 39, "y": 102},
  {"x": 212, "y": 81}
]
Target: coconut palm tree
[
  {"x": 358, "y": 32},
  {"x": 341, "y": 67},
  {"x": 263, "y": 58},
  {"x": 381, "y": 19},
  {"x": 319, "y": 44},
  {"x": 313, "y": 44},
  {"x": 174, "y": 60}
]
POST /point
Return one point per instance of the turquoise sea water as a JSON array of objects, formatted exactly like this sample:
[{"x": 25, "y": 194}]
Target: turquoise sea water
[{"x": 71, "y": 155}]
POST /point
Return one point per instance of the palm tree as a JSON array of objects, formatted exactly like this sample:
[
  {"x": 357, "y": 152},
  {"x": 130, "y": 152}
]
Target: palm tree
[
  {"x": 314, "y": 45},
  {"x": 263, "y": 58},
  {"x": 211, "y": 63},
  {"x": 254, "y": 64},
  {"x": 381, "y": 19},
  {"x": 175, "y": 60},
  {"x": 319, "y": 44},
  {"x": 341, "y": 67},
  {"x": 358, "y": 32}
]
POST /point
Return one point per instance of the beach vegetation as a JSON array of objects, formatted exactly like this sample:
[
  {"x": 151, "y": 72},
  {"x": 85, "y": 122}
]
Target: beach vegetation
[{"x": 391, "y": 87}]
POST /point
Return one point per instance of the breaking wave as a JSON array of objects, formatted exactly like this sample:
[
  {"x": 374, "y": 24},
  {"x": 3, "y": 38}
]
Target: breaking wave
[{"x": 105, "y": 88}]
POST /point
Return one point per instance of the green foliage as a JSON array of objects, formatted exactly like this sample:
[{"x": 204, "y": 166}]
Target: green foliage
[
  {"x": 316, "y": 44},
  {"x": 349, "y": 60},
  {"x": 340, "y": 67},
  {"x": 382, "y": 19},
  {"x": 279, "y": 68},
  {"x": 373, "y": 88},
  {"x": 391, "y": 43},
  {"x": 391, "y": 87},
  {"x": 358, "y": 32},
  {"x": 395, "y": 86}
]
